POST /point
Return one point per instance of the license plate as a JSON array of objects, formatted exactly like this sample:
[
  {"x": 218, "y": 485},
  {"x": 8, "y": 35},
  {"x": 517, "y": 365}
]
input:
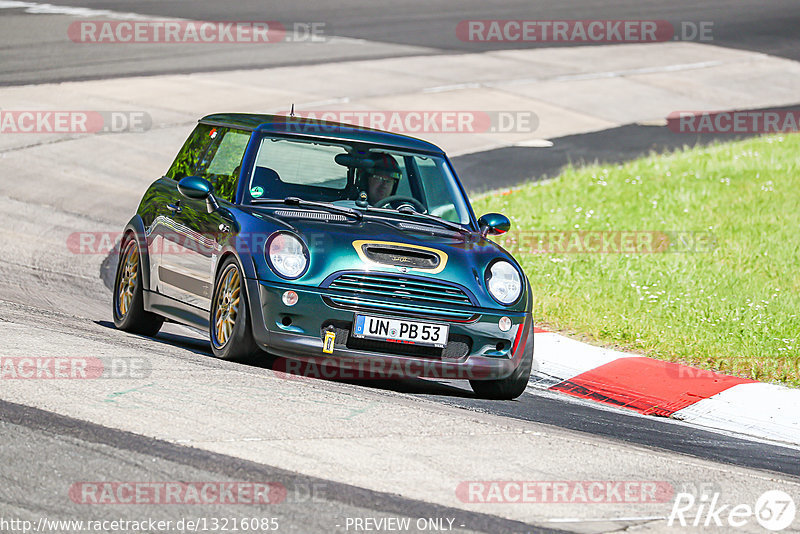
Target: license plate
[{"x": 401, "y": 331}]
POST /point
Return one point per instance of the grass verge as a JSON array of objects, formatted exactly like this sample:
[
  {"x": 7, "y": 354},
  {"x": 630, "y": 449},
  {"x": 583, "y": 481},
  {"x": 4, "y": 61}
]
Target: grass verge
[{"x": 721, "y": 290}]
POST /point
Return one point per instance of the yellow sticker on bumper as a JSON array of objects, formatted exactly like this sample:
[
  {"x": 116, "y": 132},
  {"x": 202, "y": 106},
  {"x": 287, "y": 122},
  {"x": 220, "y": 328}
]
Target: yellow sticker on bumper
[{"x": 327, "y": 344}]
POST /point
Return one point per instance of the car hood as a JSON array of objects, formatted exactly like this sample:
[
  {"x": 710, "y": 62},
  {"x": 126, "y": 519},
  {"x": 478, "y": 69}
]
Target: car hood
[{"x": 402, "y": 245}]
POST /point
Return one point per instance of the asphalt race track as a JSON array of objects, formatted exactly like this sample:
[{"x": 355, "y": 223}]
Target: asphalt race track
[
  {"x": 400, "y": 28},
  {"x": 343, "y": 450}
]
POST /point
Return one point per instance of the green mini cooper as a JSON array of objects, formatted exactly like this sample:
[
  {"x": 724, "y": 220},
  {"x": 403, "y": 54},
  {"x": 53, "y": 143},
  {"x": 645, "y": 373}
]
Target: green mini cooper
[{"x": 323, "y": 242}]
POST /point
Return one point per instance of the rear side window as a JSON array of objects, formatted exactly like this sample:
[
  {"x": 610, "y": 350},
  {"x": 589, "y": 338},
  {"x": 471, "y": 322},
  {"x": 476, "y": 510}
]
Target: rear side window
[
  {"x": 222, "y": 161},
  {"x": 213, "y": 153},
  {"x": 186, "y": 161}
]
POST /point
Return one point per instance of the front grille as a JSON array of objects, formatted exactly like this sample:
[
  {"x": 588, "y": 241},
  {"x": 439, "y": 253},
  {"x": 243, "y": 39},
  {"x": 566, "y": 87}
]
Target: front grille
[
  {"x": 403, "y": 288},
  {"x": 457, "y": 348},
  {"x": 400, "y": 295}
]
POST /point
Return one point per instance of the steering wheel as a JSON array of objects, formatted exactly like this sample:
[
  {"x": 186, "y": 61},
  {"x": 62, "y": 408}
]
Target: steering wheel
[{"x": 398, "y": 198}]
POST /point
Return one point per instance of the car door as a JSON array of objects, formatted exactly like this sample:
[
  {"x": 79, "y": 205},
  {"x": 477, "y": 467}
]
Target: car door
[
  {"x": 190, "y": 251},
  {"x": 164, "y": 202}
]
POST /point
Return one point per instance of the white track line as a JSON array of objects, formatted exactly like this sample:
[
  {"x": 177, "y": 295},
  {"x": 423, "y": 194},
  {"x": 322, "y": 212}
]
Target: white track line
[
  {"x": 50, "y": 9},
  {"x": 35, "y": 8}
]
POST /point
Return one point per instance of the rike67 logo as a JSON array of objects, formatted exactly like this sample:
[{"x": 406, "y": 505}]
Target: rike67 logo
[{"x": 774, "y": 510}]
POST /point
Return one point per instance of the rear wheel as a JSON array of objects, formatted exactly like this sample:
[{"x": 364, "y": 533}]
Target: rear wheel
[
  {"x": 229, "y": 326},
  {"x": 511, "y": 387},
  {"x": 128, "y": 306}
]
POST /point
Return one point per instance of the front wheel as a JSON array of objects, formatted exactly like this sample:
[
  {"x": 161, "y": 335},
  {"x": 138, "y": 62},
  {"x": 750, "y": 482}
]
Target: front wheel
[
  {"x": 230, "y": 330},
  {"x": 511, "y": 387},
  {"x": 128, "y": 306}
]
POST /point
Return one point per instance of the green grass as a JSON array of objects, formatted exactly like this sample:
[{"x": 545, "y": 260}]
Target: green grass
[{"x": 732, "y": 309}]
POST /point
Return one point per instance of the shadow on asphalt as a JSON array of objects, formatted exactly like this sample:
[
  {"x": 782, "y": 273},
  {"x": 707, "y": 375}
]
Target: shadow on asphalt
[
  {"x": 413, "y": 386},
  {"x": 195, "y": 345},
  {"x": 511, "y": 166},
  {"x": 410, "y": 385}
]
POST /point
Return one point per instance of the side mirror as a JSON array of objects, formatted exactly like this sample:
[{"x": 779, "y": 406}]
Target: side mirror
[
  {"x": 494, "y": 224},
  {"x": 199, "y": 189},
  {"x": 195, "y": 187}
]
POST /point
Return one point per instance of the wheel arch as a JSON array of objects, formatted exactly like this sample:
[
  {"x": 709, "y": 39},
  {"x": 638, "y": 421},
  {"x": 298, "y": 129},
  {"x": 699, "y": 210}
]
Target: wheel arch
[
  {"x": 228, "y": 253},
  {"x": 136, "y": 228},
  {"x": 250, "y": 285},
  {"x": 252, "y": 300}
]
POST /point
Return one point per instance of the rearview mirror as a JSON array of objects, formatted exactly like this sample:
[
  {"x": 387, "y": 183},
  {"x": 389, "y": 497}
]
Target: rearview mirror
[
  {"x": 494, "y": 224},
  {"x": 357, "y": 162}
]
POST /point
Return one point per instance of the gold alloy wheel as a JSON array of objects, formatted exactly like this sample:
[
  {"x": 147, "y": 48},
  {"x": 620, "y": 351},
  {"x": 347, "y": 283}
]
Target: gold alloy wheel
[
  {"x": 127, "y": 281},
  {"x": 227, "y": 305}
]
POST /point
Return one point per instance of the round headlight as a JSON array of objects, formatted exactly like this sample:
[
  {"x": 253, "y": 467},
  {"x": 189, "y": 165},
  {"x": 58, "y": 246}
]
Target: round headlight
[
  {"x": 287, "y": 255},
  {"x": 504, "y": 282}
]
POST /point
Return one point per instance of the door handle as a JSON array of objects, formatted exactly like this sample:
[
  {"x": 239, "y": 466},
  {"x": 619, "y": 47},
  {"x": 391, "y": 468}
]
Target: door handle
[{"x": 175, "y": 208}]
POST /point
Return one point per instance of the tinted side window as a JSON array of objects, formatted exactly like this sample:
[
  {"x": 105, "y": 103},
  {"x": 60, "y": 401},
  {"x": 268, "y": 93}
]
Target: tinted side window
[
  {"x": 439, "y": 192},
  {"x": 186, "y": 161},
  {"x": 222, "y": 162},
  {"x": 404, "y": 186}
]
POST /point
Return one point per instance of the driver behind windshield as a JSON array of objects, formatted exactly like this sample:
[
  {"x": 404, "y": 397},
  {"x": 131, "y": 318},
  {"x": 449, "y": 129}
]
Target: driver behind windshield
[{"x": 382, "y": 179}]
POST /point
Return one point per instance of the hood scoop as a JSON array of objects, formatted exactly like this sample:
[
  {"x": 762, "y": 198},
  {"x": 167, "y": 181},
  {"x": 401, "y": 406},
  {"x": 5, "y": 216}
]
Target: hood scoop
[{"x": 400, "y": 256}]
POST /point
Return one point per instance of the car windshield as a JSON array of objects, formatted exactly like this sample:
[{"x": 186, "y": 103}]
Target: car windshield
[{"x": 356, "y": 176}]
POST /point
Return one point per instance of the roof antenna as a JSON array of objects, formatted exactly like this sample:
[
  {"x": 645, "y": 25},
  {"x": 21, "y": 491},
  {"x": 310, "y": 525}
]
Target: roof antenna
[{"x": 291, "y": 113}]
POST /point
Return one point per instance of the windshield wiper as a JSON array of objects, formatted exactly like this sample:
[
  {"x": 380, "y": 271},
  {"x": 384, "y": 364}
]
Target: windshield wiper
[
  {"x": 408, "y": 210},
  {"x": 294, "y": 201}
]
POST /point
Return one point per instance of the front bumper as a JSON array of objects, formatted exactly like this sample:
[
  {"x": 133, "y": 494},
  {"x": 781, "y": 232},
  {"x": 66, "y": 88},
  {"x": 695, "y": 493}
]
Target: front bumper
[{"x": 477, "y": 349}]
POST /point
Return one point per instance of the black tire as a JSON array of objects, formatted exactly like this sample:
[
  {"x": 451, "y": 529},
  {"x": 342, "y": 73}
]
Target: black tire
[
  {"x": 237, "y": 344},
  {"x": 128, "y": 308},
  {"x": 511, "y": 387}
]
